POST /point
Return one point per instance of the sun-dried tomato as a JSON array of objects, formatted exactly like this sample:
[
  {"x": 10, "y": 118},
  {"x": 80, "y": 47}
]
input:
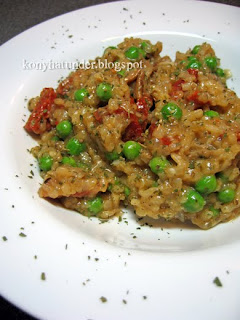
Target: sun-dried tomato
[
  {"x": 143, "y": 106},
  {"x": 38, "y": 121},
  {"x": 166, "y": 141},
  {"x": 193, "y": 72},
  {"x": 133, "y": 131},
  {"x": 238, "y": 137},
  {"x": 176, "y": 88},
  {"x": 194, "y": 98},
  {"x": 64, "y": 86}
]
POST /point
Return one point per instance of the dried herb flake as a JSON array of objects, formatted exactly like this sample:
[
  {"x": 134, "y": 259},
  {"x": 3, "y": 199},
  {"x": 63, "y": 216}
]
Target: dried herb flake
[
  {"x": 23, "y": 235},
  {"x": 103, "y": 299},
  {"x": 217, "y": 282},
  {"x": 43, "y": 276}
]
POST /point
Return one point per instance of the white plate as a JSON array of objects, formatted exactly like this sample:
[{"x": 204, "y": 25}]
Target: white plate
[{"x": 173, "y": 267}]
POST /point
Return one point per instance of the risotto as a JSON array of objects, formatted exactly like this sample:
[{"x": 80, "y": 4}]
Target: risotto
[{"x": 162, "y": 136}]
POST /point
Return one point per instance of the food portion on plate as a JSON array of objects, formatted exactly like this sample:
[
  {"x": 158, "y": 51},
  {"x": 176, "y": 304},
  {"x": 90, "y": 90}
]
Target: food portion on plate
[{"x": 136, "y": 128}]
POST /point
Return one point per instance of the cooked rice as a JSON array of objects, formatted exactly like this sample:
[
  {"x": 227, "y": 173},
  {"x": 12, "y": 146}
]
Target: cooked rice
[{"x": 195, "y": 146}]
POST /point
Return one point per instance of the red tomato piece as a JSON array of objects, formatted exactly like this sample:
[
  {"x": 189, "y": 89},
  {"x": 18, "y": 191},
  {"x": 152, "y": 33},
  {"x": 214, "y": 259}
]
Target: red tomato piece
[
  {"x": 133, "y": 131},
  {"x": 194, "y": 98},
  {"x": 143, "y": 106},
  {"x": 38, "y": 120},
  {"x": 193, "y": 72},
  {"x": 64, "y": 86},
  {"x": 238, "y": 136},
  {"x": 176, "y": 88},
  {"x": 132, "y": 100},
  {"x": 98, "y": 116},
  {"x": 177, "y": 85},
  {"x": 177, "y": 138},
  {"x": 166, "y": 141}
]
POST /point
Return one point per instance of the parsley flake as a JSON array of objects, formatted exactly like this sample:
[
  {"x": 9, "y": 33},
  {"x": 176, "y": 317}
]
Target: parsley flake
[
  {"x": 103, "y": 299},
  {"x": 217, "y": 282},
  {"x": 23, "y": 235},
  {"x": 43, "y": 276}
]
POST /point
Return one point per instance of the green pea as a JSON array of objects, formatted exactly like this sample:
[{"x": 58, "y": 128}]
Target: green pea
[
  {"x": 127, "y": 191},
  {"x": 206, "y": 184},
  {"x": 193, "y": 63},
  {"x": 131, "y": 149},
  {"x": 220, "y": 72},
  {"x": 226, "y": 195},
  {"x": 80, "y": 94},
  {"x": 75, "y": 147},
  {"x": 95, "y": 205},
  {"x": 171, "y": 110},
  {"x": 211, "y": 62},
  {"x": 192, "y": 58},
  {"x": 109, "y": 48},
  {"x": 194, "y": 203},
  {"x": 111, "y": 156},
  {"x": 64, "y": 128},
  {"x": 211, "y": 114},
  {"x": 158, "y": 164},
  {"x": 142, "y": 52},
  {"x": 214, "y": 212},
  {"x": 104, "y": 91},
  {"x": 196, "y": 49},
  {"x": 122, "y": 73},
  {"x": 146, "y": 47},
  {"x": 55, "y": 138},
  {"x": 45, "y": 163},
  {"x": 70, "y": 161},
  {"x": 132, "y": 53}
]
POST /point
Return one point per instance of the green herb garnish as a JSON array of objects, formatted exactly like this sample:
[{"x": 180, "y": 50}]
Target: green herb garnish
[
  {"x": 43, "y": 276},
  {"x": 217, "y": 282},
  {"x": 103, "y": 299},
  {"x": 23, "y": 235}
]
